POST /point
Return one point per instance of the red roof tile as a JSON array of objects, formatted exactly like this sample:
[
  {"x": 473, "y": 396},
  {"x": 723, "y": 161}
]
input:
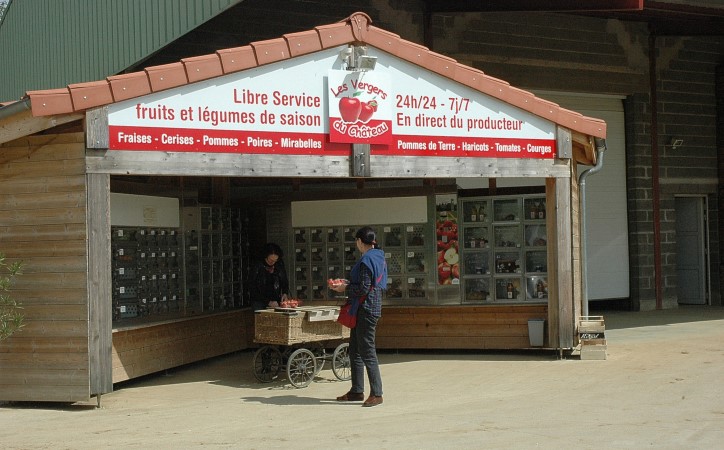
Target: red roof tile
[
  {"x": 203, "y": 67},
  {"x": 355, "y": 29},
  {"x": 129, "y": 85},
  {"x": 236, "y": 59},
  {"x": 303, "y": 43}
]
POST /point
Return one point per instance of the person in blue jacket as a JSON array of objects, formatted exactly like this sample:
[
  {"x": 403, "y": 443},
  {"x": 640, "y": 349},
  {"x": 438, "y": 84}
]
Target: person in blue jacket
[{"x": 367, "y": 281}]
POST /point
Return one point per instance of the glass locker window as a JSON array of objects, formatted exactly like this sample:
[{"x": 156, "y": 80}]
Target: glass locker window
[
  {"x": 535, "y": 235},
  {"x": 535, "y": 208},
  {"x": 319, "y": 291},
  {"x": 316, "y": 235},
  {"x": 537, "y": 288},
  {"x": 392, "y": 236},
  {"x": 416, "y": 262},
  {"x": 476, "y": 237},
  {"x": 475, "y": 211},
  {"x": 507, "y": 289},
  {"x": 300, "y": 236},
  {"x": 416, "y": 287},
  {"x": 394, "y": 287},
  {"x": 350, "y": 253},
  {"x": 477, "y": 289},
  {"x": 318, "y": 275},
  {"x": 300, "y": 255},
  {"x": 536, "y": 261},
  {"x": 335, "y": 272},
  {"x": 506, "y": 210},
  {"x": 415, "y": 235},
  {"x": 317, "y": 253},
  {"x": 334, "y": 255},
  {"x": 302, "y": 292},
  {"x": 349, "y": 233},
  {"x": 507, "y": 236},
  {"x": 507, "y": 262},
  {"x": 300, "y": 275},
  {"x": 334, "y": 235},
  {"x": 477, "y": 263},
  {"x": 394, "y": 262}
]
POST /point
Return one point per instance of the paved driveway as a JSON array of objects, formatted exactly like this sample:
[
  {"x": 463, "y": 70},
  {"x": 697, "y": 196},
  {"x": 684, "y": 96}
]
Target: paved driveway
[{"x": 660, "y": 387}]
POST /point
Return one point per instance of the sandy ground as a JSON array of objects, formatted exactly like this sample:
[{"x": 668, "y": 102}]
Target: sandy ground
[{"x": 660, "y": 387}]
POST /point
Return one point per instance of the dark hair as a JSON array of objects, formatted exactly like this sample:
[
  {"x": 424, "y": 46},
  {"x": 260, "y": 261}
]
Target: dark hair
[
  {"x": 367, "y": 236},
  {"x": 271, "y": 248}
]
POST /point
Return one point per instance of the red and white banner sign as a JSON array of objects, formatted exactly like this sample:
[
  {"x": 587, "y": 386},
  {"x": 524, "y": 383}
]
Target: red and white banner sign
[{"x": 301, "y": 107}]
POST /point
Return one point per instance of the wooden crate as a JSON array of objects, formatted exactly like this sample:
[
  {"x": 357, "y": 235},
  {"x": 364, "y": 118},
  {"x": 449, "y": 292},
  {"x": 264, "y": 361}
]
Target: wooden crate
[
  {"x": 591, "y": 324},
  {"x": 286, "y": 327},
  {"x": 593, "y": 352}
]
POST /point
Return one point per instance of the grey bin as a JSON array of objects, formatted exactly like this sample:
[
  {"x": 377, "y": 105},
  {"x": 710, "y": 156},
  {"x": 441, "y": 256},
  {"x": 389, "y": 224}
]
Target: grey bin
[{"x": 536, "y": 332}]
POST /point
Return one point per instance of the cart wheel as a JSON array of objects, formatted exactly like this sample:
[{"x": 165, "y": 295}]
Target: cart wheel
[
  {"x": 267, "y": 363},
  {"x": 341, "y": 366},
  {"x": 320, "y": 355},
  {"x": 301, "y": 367}
]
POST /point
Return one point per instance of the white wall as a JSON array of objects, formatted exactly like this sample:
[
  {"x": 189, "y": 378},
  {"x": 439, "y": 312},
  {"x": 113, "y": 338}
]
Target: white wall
[
  {"x": 144, "y": 211},
  {"x": 606, "y": 205},
  {"x": 368, "y": 211}
]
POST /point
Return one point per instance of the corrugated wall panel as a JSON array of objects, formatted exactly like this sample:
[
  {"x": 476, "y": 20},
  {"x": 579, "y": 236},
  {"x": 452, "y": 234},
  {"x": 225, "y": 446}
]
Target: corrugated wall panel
[{"x": 52, "y": 43}]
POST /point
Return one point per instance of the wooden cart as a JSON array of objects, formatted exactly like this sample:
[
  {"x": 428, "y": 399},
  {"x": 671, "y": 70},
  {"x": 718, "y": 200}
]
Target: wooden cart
[{"x": 296, "y": 338}]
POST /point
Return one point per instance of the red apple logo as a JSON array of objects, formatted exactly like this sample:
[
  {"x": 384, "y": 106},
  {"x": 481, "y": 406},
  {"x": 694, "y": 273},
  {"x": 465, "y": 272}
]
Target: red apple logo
[
  {"x": 349, "y": 109},
  {"x": 367, "y": 110}
]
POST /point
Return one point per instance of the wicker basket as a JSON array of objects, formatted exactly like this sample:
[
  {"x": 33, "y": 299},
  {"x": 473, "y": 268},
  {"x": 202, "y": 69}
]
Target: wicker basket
[{"x": 295, "y": 327}]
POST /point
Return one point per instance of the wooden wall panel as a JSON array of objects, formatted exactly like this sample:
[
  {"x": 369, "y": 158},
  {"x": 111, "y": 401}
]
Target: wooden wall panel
[
  {"x": 42, "y": 223},
  {"x": 457, "y": 327},
  {"x": 147, "y": 349}
]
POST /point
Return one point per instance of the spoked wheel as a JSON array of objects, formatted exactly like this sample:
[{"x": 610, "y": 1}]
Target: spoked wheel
[
  {"x": 320, "y": 355},
  {"x": 301, "y": 367},
  {"x": 341, "y": 365},
  {"x": 267, "y": 363}
]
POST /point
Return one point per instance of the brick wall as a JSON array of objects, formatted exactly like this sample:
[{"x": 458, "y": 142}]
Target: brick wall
[
  {"x": 640, "y": 197},
  {"x": 687, "y": 110}
]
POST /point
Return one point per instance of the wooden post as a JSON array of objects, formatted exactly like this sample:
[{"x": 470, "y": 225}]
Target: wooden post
[
  {"x": 100, "y": 338},
  {"x": 560, "y": 276}
]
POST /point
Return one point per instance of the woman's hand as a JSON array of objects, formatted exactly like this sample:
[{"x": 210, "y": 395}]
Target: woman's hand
[{"x": 339, "y": 288}]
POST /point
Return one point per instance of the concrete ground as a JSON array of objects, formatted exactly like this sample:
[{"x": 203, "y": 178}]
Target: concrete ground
[{"x": 660, "y": 387}]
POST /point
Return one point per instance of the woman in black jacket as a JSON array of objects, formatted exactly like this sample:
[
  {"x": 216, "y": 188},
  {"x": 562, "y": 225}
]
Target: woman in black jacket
[{"x": 269, "y": 284}]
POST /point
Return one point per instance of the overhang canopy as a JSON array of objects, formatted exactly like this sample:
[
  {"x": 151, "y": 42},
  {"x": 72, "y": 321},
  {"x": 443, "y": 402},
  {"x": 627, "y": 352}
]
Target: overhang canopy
[{"x": 355, "y": 31}]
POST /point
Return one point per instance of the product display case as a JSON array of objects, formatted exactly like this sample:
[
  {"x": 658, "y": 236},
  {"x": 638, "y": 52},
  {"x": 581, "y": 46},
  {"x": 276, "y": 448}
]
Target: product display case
[
  {"x": 504, "y": 254},
  {"x": 220, "y": 262},
  {"x": 147, "y": 272},
  {"x": 178, "y": 271},
  {"x": 330, "y": 252}
]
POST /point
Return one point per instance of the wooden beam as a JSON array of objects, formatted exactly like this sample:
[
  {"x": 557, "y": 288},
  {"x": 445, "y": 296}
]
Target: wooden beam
[
  {"x": 286, "y": 166},
  {"x": 24, "y": 124}
]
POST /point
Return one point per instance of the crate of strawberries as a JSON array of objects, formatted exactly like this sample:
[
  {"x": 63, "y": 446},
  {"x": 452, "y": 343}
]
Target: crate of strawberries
[{"x": 290, "y": 303}]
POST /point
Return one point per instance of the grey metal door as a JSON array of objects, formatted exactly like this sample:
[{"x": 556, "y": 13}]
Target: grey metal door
[{"x": 691, "y": 251}]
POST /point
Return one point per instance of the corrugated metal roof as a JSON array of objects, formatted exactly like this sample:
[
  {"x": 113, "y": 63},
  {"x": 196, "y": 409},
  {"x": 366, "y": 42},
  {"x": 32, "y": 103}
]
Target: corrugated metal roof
[{"x": 59, "y": 42}]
